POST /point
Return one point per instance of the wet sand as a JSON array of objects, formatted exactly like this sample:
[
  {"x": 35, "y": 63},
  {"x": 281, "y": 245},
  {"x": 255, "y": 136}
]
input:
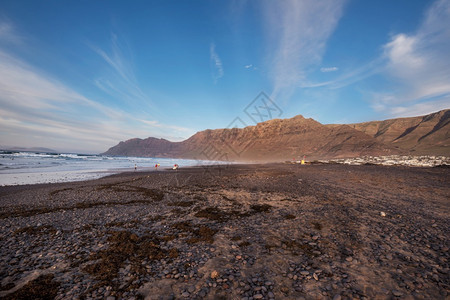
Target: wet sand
[{"x": 231, "y": 232}]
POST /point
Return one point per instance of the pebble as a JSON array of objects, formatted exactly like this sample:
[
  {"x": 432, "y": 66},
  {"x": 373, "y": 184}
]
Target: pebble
[
  {"x": 185, "y": 295},
  {"x": 20, "y": 257},
  {"x": 214, "y": 274}
]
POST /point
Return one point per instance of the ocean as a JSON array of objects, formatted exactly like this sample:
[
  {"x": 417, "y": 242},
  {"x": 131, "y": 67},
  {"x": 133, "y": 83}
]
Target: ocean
[{"x": 18, "y": 168}]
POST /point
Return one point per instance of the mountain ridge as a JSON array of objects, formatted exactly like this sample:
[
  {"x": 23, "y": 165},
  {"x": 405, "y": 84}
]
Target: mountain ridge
[
  {"x": 286, "y": 139},
  {"x": 428, "y": 134}
]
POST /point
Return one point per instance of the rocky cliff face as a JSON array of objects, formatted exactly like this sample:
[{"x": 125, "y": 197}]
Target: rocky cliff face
[
  {"x": 285, "y": 139},
  {"x": 428, "y": 134},
  {"x": 273, "y": 140}
]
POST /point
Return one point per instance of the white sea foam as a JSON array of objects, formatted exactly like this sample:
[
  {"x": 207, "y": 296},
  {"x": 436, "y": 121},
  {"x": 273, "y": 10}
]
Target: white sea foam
[{"x": 17, "y": 168}]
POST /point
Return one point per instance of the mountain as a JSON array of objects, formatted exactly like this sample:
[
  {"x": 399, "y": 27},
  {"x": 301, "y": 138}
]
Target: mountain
[
  {"x": 32, "y": 149},
  {"x": 273, "y": 140},
  {"x": 422, "y": 135},
  {"x": 284, "y": 139}
]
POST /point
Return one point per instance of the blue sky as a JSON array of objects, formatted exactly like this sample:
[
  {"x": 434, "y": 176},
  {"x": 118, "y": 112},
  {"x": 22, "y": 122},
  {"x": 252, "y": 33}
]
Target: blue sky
[{"x": 83, "y": 75}]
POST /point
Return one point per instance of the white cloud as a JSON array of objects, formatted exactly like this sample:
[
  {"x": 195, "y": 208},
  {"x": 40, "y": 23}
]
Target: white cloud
[
  {"x": 248, "y": 66},
  {"x": 217, "y": 68},
  {"x": 8, "y": 33},
  {"x": 157, "y": 124},
  {"x": 419, "y": 65},
  {"x": 298, "y": 33},
  {"x": 38, "y": 110},
  {"x": 329, "y": 69},
  {"x": 122, "y": 83}
]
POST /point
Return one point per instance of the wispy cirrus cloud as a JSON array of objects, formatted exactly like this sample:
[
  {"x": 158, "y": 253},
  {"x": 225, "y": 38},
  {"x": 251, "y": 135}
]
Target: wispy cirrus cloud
[
  {"x": 419, "y": 64},
  {"x": 216, "y": 63},
  {"x": 8, "y": 34},
  {"x": 328, "y": 69},
  {"x": 38, "y": 110},
  {"x": 298, "y": 39},
  {"x": 121, "y": 83}
]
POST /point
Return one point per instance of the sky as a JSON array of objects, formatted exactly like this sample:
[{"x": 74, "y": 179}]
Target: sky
[{"x": 80, "y": 76}]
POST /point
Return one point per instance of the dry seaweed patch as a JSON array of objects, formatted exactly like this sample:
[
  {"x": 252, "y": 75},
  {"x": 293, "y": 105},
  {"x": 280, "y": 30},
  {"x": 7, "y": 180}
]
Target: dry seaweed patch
[
  {"x": 154, "y": 194},
  {"x": 202, "y": 233},
  {"x": 214, "y": 214},
  {"x": 7, "y": 286},
  {"x": 317, "y": 225},
  {"x": 53, "y": 193},
  {"x": 42, "y": 288},
  {"x": 157, "y": 196},
  {"x": 295, "y": 247},
  {"x": 125, "y": 245},
  {"x": 289, "y": 217},
  {"x": 37, "y": 230},
  {"x": 185, "y": 226},
  {"x": 261, "y": 207},
  {"x": 181, "y": 203},
  {"x": 244, "y": 244}
]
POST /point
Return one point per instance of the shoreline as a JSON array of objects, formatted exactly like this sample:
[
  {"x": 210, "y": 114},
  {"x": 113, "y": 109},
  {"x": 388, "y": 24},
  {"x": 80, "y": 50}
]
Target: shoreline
[
  {"x": 406, "y": 161},
  {"x": 267, "y": 231}
]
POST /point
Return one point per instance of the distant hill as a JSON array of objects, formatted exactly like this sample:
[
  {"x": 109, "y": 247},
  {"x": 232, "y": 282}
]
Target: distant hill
[
  {"x": 428, "y": 134},
  {"x": 273, "y": 140},
  {"x": 32, "y": 149},
  {"x": 285, "y": 139}
]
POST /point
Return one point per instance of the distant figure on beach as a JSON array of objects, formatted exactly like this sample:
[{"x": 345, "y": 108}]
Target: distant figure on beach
[
  {"x": 175, "y": 166},
  {"x": 135, "y": 167},
  {"x": 156, "y": 167}
]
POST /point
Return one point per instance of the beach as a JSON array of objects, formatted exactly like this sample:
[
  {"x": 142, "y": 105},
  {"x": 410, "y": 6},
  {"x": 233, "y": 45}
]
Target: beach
[{"x": 263, "y": 231}]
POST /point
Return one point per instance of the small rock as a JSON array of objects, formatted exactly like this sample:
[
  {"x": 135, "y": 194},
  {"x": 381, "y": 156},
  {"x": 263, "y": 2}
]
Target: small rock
[
  {"x": 382, "y": 213},
  {"x": 214, "y": 274},
  {"x": 397, "y": 293},
  {"x": 185, "y": 294},
  {"x": 315, "y": 276},
  {"x": 258, "y": 296},
  {"x": 337, "y": 297}
]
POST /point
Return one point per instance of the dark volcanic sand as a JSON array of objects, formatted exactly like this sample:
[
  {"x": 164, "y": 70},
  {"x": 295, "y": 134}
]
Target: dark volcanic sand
[{"x": 236, "y": 232}]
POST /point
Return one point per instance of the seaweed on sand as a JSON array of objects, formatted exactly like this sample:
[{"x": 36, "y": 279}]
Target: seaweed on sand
[
  {"x": 42, "y": 288},
  {"x": 125, "y": 245}
]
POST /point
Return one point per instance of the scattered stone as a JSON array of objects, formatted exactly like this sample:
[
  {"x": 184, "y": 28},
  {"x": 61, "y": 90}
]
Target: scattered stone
[{"x": 214, "y": 274}]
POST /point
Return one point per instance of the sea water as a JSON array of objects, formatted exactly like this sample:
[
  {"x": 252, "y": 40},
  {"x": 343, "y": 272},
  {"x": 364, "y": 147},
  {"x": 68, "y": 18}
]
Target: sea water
[{"x": 17, "y": 168}]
